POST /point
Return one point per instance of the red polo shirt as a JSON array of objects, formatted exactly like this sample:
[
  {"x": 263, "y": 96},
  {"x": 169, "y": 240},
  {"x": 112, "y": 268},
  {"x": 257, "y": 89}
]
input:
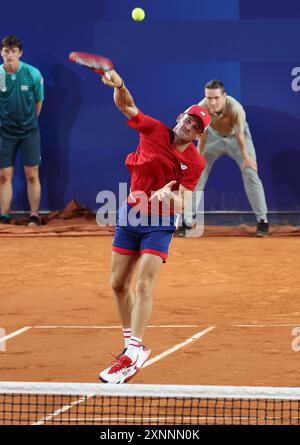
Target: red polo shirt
[{"x": 157, "y": 162}]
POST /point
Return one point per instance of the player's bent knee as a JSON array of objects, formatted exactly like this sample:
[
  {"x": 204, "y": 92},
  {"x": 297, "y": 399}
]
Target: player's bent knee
[
  {"x": 119, "y": 287},
  {"x": 143, "y": 287}
]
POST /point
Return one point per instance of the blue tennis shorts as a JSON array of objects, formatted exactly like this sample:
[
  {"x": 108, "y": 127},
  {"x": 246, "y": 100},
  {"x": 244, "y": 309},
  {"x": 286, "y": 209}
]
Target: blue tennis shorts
[{"x": 137, "y": 240}]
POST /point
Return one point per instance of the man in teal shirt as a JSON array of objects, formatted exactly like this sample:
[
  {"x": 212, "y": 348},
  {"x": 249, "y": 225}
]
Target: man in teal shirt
[{"x": 21, "y": 99}]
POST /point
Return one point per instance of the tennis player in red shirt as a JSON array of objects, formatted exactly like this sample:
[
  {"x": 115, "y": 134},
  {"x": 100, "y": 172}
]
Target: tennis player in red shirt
[{"x": 165, "y": 169}]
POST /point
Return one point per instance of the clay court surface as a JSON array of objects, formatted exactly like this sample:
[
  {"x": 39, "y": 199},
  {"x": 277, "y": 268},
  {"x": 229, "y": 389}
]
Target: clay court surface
[{"x": 242, "y": 293}]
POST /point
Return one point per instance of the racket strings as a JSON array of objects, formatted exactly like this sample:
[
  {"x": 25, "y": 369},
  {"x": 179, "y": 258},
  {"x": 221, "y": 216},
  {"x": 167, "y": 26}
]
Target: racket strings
[
  {"x": 89, "y": 63},
  {"x": 92, "y": 61}
]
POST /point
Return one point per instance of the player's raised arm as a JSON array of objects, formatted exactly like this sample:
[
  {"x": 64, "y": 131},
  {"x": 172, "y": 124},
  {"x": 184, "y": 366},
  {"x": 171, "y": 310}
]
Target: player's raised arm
[{"x": 122, "y": 97}]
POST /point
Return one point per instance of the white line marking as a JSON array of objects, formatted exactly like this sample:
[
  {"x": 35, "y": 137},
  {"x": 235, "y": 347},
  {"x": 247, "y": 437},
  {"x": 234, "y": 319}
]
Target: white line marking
[
  {"x": 114, "y": 327},
  {"x": 61, "y": 410},
  {"x": 150, "y": 362},
  {"x": 179, "y": 346},
  {"x": 15, "y": 333},
  {"x": 174, "y": 326},
  {"x": 77, "y": 327},
  {"x": 106, "y": 420},
  {"x": 266, "y": 325}
]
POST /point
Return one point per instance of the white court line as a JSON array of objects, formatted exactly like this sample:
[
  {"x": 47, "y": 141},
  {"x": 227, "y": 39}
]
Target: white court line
[
  {"x": 179, "y": 346},
  {"x": 266, "y": 325},
  {"x": 15, "y": 333},
  {"x": 115, "y": 327},
  {"x": 61, "y": 410},
  {"x": 26, "y": 328},
  {"x": 149, "y": 363},
  {"x": 169, "y": 420}
]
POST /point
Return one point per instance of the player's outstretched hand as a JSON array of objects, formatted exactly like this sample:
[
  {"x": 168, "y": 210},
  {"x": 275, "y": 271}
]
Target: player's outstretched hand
[
  {"x": 164, "y": 192},
  {"x": 112, "y": 79}
]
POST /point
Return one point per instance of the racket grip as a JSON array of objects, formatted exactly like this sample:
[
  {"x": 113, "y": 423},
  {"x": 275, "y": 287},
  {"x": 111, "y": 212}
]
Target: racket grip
[{"x": 106, "y": 74}]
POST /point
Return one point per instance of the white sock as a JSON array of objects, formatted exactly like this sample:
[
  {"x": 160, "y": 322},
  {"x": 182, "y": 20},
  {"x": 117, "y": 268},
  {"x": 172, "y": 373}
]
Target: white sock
[
  {"x": 126, "y": 335},
  {"x": 133, "y": 348}
]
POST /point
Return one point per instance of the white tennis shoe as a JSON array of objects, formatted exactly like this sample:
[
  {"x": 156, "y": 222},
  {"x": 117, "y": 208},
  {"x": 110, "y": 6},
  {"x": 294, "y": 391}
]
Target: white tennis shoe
[
  {"x": 123, "y": 369},
  {"x": 143, "y": 355},
  {"x": 119, "y": 371}
]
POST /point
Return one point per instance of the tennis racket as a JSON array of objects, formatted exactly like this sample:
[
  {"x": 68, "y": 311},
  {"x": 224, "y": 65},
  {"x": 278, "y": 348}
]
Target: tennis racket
[{"x": 98, "y": 64}]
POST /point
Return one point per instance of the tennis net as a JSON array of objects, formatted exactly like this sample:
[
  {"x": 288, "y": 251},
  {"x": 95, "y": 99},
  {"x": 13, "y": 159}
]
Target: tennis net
[{"x": 26, "y": 403}]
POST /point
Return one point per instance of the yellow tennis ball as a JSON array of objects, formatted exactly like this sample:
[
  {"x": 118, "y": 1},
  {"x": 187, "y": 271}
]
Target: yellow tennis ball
[{"x": 138, "y": 14}]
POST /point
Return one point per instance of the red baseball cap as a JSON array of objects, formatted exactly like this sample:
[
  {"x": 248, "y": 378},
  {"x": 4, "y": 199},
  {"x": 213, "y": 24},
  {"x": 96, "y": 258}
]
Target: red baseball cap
[{"x": 200, "y": 112}]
